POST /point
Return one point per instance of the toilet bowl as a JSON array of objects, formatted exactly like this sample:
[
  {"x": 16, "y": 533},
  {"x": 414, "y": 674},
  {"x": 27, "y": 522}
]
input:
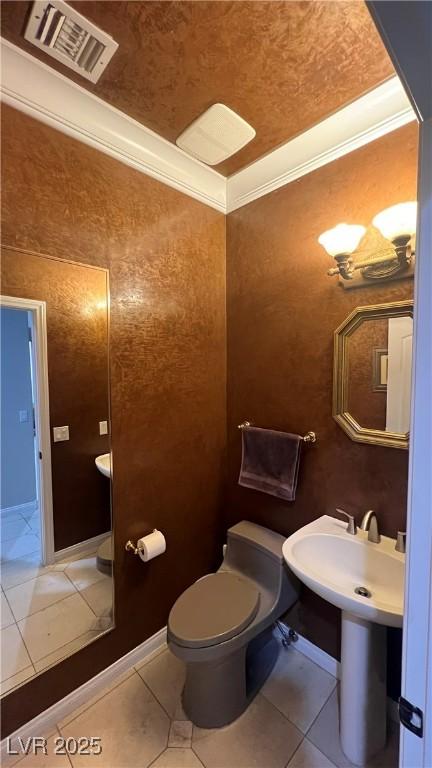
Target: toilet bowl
[{"x": 221, "y": 626}]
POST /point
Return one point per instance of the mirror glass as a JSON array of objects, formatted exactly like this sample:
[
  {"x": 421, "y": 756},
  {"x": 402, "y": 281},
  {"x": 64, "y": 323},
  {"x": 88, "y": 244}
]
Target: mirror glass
[
  {"x": 373, "y": 356},
  {"x": 379, "y": 373},
  {"x": 55, "y": 502}
]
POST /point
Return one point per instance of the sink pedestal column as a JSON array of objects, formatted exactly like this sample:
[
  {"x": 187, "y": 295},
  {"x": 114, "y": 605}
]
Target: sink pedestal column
[{"x": 363, "y": 706}]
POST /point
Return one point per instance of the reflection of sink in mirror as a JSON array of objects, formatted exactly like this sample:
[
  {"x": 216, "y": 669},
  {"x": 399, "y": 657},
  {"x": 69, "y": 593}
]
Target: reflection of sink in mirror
[{"x": 103, "y": 464}]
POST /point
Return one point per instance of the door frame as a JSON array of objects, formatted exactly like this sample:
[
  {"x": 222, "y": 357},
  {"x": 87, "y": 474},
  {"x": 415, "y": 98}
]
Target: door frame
[
  {"x": 42, "y": 418},
  {"x": 416, "y": 752}
]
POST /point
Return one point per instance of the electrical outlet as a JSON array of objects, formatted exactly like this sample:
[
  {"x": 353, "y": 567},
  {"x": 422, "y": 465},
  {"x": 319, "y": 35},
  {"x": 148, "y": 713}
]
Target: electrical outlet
[{"x": 60, "y": 434}]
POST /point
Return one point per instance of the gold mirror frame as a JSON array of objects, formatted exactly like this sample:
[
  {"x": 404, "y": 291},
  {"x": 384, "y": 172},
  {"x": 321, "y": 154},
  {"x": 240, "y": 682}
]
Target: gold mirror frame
[{"x": 340, "y": 374}]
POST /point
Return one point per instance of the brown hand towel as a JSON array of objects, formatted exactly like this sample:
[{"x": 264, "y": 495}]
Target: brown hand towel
[{"x": 270, "y": 461}]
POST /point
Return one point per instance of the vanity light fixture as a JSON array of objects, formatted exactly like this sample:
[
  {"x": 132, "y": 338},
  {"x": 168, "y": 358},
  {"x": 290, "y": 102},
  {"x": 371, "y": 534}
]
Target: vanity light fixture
[{"x": 397, "y": 224}]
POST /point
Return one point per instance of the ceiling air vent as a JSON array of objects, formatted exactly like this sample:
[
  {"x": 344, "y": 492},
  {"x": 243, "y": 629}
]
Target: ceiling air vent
[{"x": 64, "y": 34}]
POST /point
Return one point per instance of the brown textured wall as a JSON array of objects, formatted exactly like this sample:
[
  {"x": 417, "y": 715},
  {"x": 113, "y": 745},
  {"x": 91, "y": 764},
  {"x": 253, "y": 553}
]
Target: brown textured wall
[
  {"x": 76, "y": 299},
  {"x": 166, "y": 258},
  {"x": 282, "y": 310}
]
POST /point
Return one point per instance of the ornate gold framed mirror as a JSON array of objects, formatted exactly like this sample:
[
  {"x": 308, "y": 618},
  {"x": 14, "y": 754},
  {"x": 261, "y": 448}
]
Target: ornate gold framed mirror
[{"x": 372, "y": 374}]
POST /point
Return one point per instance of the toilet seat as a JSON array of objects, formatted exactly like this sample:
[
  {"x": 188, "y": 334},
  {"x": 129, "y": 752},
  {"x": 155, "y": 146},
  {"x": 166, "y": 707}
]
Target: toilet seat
[{"x": 215, "y": 608}]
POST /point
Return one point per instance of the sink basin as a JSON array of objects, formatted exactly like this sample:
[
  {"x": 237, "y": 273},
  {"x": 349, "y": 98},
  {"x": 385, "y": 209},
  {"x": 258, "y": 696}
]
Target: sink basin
[
  {"x": 103, "y": 464},
  {"x": 333, "y": 563}
]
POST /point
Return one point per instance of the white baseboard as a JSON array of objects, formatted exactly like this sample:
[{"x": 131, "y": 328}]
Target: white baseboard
[
  {"x": 46, "y": 721},
  {"x": 80, "y": 547},
  {"x": 320, "y": 657},
  {"x": 331, "y": 665},
  {"x": 22, "y": 509}
]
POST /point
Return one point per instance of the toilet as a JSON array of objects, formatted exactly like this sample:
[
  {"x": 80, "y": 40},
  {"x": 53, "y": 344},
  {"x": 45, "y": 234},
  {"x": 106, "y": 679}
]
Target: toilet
[{"x": 221, "y": 626}]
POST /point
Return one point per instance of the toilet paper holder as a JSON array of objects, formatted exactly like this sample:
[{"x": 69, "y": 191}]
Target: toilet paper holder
[
  {"x": 131, "y": 547},
  {"x": 145, "y": 547}
]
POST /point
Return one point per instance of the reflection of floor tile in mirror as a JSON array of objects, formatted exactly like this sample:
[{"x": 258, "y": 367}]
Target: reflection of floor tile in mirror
[
  {"x": 99, "y": 597},
  {"x": 66, "y": 650},
  {"x": 33, "y": 523},
  {"x": 18, "y": 679},
  {"x": 45, "y": 631},
  {"x": 39, "y": 593},
  {"x": 18, "y": 571},
  {"x": 83, "y": 572},
  {"x": 14, "y": 656},
  {"x": 19, "y": 547},
  {"x": 50, "y": 612},
  {"x": 12, "y": 529},
  {"x": 19, "y": 534},
  {"x": 6, "y": 614}
]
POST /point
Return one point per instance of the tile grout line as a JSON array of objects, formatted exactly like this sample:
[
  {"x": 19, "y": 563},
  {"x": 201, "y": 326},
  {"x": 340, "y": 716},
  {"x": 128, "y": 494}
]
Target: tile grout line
[
  {"x": 26, "y": 680},
  {"x": 92, "y": 703},
  {"x": 59, "y": 648},
  {"x": 153, "y": 694},
  {"x": 25, "y": 646},
  {"x": 5, "y": 560},
  {"x": 36, "y": 552},
  {"x": 55, "y": 602},
  {"x": 295, "y": 752},
  {"x": 196, "y": 755},
  {"x": 67, "y": 753},
  {"x": 170, "y": 722},
  {"x": 316, "y": 718},
  {"x": 321, "y": 708},
  {"x": 34, "y": 661},
  {"x": 87, "y": 602}
]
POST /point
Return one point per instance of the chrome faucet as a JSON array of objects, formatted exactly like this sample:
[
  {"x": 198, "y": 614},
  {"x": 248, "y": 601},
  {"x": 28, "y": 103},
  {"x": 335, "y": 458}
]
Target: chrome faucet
[
  {"x": 370, "y": 524},
  {"x": 351, "y": 527}
]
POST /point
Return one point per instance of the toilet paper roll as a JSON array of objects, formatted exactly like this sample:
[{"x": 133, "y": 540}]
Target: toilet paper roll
[{"x": 151, "y": 546}]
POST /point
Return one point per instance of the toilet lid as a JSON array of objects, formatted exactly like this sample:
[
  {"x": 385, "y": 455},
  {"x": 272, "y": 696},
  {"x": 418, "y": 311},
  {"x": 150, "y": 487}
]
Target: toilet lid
[{"x": 212, "y": 610}]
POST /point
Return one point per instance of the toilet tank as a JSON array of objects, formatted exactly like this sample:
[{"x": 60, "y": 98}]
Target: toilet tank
[{"x": 256, "y": 552}]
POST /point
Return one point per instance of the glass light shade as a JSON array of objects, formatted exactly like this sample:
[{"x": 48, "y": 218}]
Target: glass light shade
[
  {"x": 396, "y": 221},
  {"x": 344, "y": 238}
]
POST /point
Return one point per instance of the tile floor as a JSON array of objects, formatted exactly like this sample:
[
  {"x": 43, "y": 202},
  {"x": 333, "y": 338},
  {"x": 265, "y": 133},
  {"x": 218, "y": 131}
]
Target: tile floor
[
  {"x": 47, "y": 612},
  {"x": 292, "y": 723}
]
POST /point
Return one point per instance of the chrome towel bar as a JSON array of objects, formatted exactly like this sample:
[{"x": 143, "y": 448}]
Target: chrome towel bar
[{"x": 309, "y": 437}]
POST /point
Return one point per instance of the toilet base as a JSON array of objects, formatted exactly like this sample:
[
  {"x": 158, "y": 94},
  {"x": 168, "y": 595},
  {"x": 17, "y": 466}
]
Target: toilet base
[{"x": 218, "y": 692}]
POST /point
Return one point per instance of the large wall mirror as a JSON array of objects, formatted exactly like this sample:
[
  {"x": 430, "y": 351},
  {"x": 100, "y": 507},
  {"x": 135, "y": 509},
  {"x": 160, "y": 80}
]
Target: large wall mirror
[
  {"x": 372, "y": 374},
  {"x": 55, "y": 501}
]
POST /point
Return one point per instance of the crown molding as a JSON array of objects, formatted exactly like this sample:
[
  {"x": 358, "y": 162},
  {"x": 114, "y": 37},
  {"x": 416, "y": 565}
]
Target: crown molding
[
  {"x": 41, "y": 92},
  {"x": 38, "y": 90},
  {"x": 378, "y": 112}
]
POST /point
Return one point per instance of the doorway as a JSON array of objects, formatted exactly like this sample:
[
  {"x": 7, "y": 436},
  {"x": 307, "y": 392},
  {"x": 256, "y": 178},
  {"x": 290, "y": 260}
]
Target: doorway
[{"x": 26, "y": 494}]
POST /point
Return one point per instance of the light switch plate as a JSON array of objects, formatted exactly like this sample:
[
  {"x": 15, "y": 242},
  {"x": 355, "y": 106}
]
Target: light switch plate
[
  {"x": 60, "y": 434},
  {"x": 23, "y": 416},
  {"x": 103, "y": 427}
]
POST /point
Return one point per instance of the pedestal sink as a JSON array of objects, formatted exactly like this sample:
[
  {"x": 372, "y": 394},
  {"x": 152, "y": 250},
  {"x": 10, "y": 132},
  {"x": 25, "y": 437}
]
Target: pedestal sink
[
  {"x": 103, "y": 464},
  {"x": 366, "y": 581}
]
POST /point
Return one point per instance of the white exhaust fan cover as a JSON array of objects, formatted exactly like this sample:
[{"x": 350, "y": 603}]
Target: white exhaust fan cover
[
  {"x": 69, "y": 37},
  {"x": 216, "y": 135}
]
